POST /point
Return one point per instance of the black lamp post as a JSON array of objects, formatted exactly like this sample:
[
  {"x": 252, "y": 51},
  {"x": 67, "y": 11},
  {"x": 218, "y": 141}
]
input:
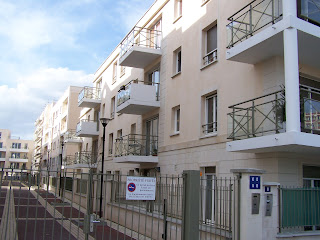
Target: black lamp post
[
  {"x": 104, "y": 122},
  {"x": 61, "y": 159}
]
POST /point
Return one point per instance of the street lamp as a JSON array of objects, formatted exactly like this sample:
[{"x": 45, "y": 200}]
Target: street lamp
[
  {"x": 104, "y": 122},
  {"x": 62, "y": 144}
]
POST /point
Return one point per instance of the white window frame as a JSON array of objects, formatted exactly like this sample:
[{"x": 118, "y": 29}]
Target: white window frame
[
  {"x": 178, "y": 61},
  {"x": 177, "y": 120},
  {"x": 115, "y": 72},
  {"x": 212, "y": 56},
  {"x": 206, "y": 129},
  {"x": 177, "y": 9}
]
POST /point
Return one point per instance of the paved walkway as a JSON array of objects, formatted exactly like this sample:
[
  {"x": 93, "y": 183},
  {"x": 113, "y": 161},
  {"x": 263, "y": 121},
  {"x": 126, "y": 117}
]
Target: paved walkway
[{"x": 28, "y": 213}]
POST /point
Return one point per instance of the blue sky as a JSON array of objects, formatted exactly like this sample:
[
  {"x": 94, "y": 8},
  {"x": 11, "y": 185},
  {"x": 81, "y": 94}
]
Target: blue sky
[{"x": 47, "y": 45}]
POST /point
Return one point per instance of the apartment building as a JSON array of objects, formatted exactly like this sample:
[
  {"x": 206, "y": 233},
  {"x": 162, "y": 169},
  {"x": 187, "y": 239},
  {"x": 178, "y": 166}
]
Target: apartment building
[
  {"x": 212, "y": 86},
  {"x": 55, "y": 129},
  {"x": 15, "y": 153},
  {"x": 190, "y": 87}
]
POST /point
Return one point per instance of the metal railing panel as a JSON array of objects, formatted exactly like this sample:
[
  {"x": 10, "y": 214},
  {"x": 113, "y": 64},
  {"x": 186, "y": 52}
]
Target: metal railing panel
[
  {"x": 90, "y": 93},
  {"x": 252, "y": 18},
  {"x": 142, "y": 37},
  {"x": 257, "y": 117},
  {"x": 136, "y": 144}
]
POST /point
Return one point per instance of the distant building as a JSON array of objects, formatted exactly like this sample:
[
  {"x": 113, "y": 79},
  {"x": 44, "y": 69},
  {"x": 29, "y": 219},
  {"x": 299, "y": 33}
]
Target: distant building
[{"x": 15, "y": 153}]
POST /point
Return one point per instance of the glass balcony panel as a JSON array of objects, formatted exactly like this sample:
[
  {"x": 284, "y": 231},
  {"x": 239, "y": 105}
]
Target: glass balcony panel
[
  {"x": 309, "y": 10},
  {"x": 140, "y": 47},
  {"x": 89, "y": 97}
]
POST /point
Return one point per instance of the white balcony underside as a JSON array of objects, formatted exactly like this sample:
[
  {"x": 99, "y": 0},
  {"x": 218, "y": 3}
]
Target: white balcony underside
[
  {"x": 139, "y": 57},
  {"x": 18, "y": 160},
  {"x": 2, "y": 159},
  {"x": 298, "y": 142},
  {"x": 269, "y": 43},
  {"x": 3, "y": 149},
  {"x": 137, "y": 107},
  {"x": 73, "y": 141},
  {"x": 89, "y": 103},
  {"x": 136, "y": 159}
]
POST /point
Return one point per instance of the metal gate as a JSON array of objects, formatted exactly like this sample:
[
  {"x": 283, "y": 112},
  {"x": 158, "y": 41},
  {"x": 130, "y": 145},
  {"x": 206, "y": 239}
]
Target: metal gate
[{"x": 70, "y": 205}]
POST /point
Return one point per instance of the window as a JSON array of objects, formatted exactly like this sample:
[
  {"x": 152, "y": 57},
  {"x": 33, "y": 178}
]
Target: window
[
  {"x": 208, "y": 191},
  {"x": 0, "y": 134},
  {"x": 110, "y": 143},
  {"x": 122, "y": 70},
  {"x": 210, "y": 114},
  {"x": 176, "y": 119},
  {"x": 154, "y": 79},
  {"x": 81, "y": 186},
  {"x": 177, "y": 9},
  {"x": 119, "y": 133},
  {"x": 1, "y": 144},
  {"x": 68, "y": 185},
  {"x": 210, "y": 45},
  {"x": 113, "y": 107},
  {"x": 133, "y": 128},
  {"x": 16, "y": 145},
  {"x": 177, "y": 61},
  {"x": 15, "y": 155},
  {"x": 114, "y": 76}
]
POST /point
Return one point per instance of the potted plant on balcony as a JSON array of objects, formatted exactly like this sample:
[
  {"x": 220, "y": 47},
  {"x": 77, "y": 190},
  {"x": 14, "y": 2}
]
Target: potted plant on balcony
[{"x": 155, "y": 152}]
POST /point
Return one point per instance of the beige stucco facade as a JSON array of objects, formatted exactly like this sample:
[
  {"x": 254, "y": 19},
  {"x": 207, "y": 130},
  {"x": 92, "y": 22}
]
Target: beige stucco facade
[{"x": 231, "y": 81}]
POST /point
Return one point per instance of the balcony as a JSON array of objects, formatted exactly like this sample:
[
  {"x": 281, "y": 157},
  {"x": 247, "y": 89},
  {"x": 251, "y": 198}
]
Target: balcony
[
  {"x": 138, "y": 97},
  {"x": 2, "y": 159},
  {"x": 81, "y": 160},
  {"x": 255, "y": 32},
  {"x": 86, "y": 128},
  {"x": 259, "y": 125},
  {"x": 135, "y": 148},
  {"x": 140, "y": 47},
  {"x": 3, "y": 149},
  {"x": 19, "y": 150},
  {"x": 18, "y": 160},
  {"x": 89, "y": 97},
  {"x": 71, "y": 137}
]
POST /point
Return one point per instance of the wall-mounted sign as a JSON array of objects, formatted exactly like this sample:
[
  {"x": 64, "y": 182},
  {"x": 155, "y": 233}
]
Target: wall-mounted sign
[
  {"x": 255, "y": 182},
  {"x": 141, "y": 188}
]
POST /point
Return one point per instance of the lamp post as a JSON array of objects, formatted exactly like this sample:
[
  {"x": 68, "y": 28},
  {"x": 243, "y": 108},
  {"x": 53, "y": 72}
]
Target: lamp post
[
  {"x": 104, "y": 122},
  {"x": 60, "y": 187}
]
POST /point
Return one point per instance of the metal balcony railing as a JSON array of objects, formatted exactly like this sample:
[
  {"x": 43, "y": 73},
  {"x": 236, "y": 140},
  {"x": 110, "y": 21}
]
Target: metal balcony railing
[
  {"x": 257, "y": 116},
  {"x": 71, "y": 135},
  {"x": 84, "y": 157},
  {"x": 89, "y": 92},
  {"x": 142, "y": 37},
  {"x": 136, "y": 144},
  {"x": 252, "y": 18},
  {"x": 124, "y": 94},
  {"x": 309, "y": 10},
  {"x": 266, "y": 114}
]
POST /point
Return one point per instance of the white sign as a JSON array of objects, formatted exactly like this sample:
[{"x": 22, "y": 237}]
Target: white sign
[{"x": 141, "y": 188}]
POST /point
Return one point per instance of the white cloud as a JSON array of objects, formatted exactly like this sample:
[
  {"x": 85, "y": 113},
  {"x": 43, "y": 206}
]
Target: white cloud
[{"x": 21, "y": 105}]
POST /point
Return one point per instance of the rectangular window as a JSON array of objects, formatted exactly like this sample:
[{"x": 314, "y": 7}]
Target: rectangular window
[
  {"x": 0, "y": 134},
  {"x": 210, "y": 123},
  {"x": 68, "y": 185},
  {"x": 154, "y": 79},
  {"x": 110, "y": 143},
  {"x": 177, "y": 9},
  {"x": 112, "y": 107},
  {"x": 119, "y": 133},
  {"x": 114, "y": 76},
  {"x": 81, "y": 186},
  {"x": 210, "y": 45},
  {"x": 177, "y": 61},
  {"x": 16, "y": 145},
  {"x": 1, "y": 144},
  {"x": 176, "y": 119},
  {"x": 122, "y": 70}
]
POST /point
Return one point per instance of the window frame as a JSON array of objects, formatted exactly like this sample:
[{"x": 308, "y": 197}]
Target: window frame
[
  {"x": 209, "y": 57},
  {"x": 210, "y": 128},
  {"x": 177, "y": 120},
  {"x": 177, "y": 9}
]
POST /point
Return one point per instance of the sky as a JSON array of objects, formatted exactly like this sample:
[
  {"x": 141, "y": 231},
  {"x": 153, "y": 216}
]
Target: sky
[{"x": 48, "y": 45}]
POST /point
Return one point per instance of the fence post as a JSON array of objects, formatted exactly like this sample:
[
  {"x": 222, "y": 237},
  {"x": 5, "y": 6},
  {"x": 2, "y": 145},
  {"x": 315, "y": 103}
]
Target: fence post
[{"x": 191, "y": 203}]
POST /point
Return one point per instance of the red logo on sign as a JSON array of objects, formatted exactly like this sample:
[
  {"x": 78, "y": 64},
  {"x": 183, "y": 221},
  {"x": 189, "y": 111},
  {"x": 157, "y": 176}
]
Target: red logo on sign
[{"x": 131, "y": 187}]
